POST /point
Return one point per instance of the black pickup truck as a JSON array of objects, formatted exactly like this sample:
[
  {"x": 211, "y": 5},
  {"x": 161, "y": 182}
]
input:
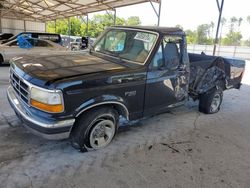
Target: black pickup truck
[{"x": 130, "y": 72}]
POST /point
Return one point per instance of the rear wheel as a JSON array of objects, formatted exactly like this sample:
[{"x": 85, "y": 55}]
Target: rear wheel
[
  {"x": 95, "y": 129},
  {"x": 210, "y": 102}
]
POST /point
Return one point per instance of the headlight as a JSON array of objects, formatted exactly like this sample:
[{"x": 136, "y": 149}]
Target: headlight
[{"x": 49, "y": 101}]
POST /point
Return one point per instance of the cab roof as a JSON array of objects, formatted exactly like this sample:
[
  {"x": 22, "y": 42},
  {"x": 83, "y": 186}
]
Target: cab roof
[{"x": 160, "y": 30}]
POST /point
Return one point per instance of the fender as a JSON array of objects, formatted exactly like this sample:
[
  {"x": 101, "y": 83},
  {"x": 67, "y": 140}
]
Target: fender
[{"x": 104, "y": 100}]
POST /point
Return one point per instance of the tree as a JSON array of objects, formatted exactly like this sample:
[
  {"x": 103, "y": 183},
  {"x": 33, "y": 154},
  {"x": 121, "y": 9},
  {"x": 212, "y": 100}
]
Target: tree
[
  {"x": 61, "y": 27},
  {"x": 223, "y": 22},
  {"x": 75, "y": 26},
  {"x": 133, "y": 21},
  {"x": 203, "y": 34},
  {"x": 233, "y": 21},
  {"x": 211, "y": 31},
  {"x": 248, "y": 19},
  {"x": 99, "y": 22},
  {"x": 247, "y": 42},
  {"x": 191, "y": 36},
  {"x": 232, "y": 38},
  {"x": 96, "y": 25},
  {"x": 239, "y": 23}
]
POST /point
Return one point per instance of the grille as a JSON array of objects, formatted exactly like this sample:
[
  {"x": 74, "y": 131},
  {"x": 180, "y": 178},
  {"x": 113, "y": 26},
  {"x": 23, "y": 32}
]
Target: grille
[{"x": 21, "y": 88}]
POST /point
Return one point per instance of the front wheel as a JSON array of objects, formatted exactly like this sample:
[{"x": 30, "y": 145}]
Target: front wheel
[
  {"x": 210, "y": 102},
  {"x": 95, "y": 129}
]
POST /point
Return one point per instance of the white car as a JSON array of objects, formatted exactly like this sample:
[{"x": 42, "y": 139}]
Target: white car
[{"x": 11, "y": 49}]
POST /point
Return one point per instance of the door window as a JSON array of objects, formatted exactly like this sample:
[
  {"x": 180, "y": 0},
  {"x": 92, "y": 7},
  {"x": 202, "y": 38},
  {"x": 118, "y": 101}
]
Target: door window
[
  {"x": 14, "y": 43},
  {"x": 168, "y": 55},
  {"x": 38, "y": 43},
  {"x": 42, "y": 43},
  {"x": 172, "y": 52},
  {"x": 158, "y": 59}
]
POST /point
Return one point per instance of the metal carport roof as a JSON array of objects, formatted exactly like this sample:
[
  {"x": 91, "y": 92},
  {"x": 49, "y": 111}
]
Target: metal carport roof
[
  {"x": 46, "y": 10},
  {"x": 49, "y": 10}
]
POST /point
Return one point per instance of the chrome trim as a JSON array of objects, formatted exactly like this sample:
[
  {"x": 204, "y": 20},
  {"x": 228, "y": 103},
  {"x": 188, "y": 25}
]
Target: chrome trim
[
  {"x": 16, "y": 84},
  {"x": 58, "y": 136},
  {"x": 40, "y": 88},
  {"x": 132, "y": 29},
  {"x": 16, "y": 104},
  {"x": 102, "y": 103}
]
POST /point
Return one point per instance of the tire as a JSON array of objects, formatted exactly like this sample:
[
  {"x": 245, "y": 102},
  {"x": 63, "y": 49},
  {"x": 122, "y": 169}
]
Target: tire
[
  {"x": 95, "y": 129},
  {"x": 210, "y": 102}
]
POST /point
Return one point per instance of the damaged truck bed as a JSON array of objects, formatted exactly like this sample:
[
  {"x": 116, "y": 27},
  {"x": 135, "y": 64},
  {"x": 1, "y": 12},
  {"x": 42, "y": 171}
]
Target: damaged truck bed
[{"x": 206, "y": 72}]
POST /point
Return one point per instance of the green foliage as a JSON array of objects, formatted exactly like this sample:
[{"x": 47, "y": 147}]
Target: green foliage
[
  {"x": 96, "y": 25},
  {"x": 99, "y": 22},
  {"x": 191, "y": 36},
  {"x": 233, "y": 22},
  {"x": 232, "y": 39},
  {"x": 203, "y": 34},
  {"x": 247, "y": 42},
  {"x": 248, "y": 19},
  {"x": 223, "y": 21},
  {"x": 133, "y": 21}
]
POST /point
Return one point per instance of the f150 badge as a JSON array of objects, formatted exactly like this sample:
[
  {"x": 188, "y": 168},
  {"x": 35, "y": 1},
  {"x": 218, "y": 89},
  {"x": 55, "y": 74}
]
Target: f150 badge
[{"x": 130, "y": 93}]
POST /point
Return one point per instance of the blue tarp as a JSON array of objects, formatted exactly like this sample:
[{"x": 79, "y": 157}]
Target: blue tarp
[{"x": 23, "y": 42}]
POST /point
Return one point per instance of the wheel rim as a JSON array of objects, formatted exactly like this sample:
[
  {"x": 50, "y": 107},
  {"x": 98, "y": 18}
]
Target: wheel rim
[
  {"x": 215, "y": 103},
  {"x": 102, "y": 134}
]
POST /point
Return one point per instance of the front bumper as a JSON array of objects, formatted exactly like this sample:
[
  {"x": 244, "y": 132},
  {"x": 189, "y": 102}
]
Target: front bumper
[{"x": 52, "y": 130}]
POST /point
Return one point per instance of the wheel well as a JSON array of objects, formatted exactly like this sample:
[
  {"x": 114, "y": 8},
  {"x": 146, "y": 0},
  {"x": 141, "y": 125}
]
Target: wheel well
[
  {"x": 119, "y": 107},
  {"x": 222, "y": 84}
]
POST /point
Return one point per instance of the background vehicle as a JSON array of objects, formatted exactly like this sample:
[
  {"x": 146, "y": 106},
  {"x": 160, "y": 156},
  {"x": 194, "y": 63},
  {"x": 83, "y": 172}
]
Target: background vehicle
[
  {"x": 131, "y": 72},
  {"x": 56, "y": 38},
  {"x": 11, "y": 49},
  {"x": 71, "y": 42},
  {"x": 75, "y": 43},
  {"x": 5, "y": 36}
]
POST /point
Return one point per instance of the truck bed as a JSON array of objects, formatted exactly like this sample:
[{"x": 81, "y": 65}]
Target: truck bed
[{"x": 208, "y": 71}]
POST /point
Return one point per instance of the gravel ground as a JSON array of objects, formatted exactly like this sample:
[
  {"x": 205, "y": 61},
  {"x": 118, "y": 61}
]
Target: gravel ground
[{"x": 183, "y": 148}]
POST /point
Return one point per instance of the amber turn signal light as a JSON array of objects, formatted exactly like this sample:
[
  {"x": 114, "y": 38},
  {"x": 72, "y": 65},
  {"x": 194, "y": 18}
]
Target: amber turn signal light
[{"x": 47, "y": 107}]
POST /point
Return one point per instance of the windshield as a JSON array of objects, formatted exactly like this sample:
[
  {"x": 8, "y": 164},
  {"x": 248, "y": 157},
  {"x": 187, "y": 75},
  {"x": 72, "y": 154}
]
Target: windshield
[{"x": 131, "y": 45}]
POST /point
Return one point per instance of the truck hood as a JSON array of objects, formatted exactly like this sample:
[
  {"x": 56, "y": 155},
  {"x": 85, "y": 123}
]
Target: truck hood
[{"x": 55, "y": 67}]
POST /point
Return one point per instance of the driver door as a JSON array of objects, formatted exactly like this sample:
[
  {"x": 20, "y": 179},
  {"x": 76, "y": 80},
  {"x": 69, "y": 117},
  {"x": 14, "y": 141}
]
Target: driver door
[{"x": 167, "y": 77}]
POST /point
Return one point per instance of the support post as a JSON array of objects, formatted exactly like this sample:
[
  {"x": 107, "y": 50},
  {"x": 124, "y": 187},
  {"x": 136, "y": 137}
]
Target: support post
[
  {"x": 69, "y": 28},
  {"x": 114, "y": 16},
  {"x": 1, "y": 29},
  {"x": 220, "y": 8},
  {"x": 24, "y": 25},
  {"x": 55, "y": 26},
  {"x": 159, "y": 13},
  {"x": 87, "y": 26}
]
